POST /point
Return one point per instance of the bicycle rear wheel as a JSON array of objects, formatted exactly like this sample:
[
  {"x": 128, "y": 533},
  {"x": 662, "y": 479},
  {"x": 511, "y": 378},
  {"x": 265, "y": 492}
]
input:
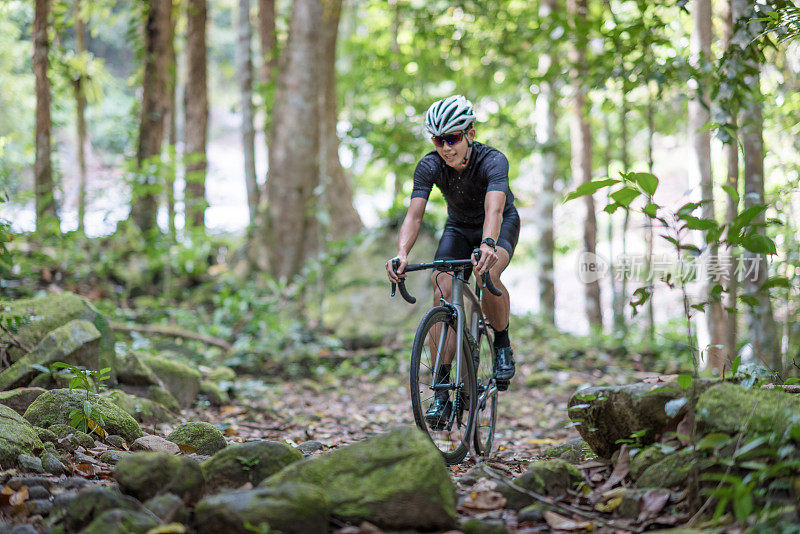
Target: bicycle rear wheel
[
  {"x": 487, "y": 393},
  {"x": 437, "y": 334}
]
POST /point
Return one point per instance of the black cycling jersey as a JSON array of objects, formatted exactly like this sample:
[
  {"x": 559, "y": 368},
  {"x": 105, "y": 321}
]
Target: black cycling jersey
[{"x": 487, "y": 170}]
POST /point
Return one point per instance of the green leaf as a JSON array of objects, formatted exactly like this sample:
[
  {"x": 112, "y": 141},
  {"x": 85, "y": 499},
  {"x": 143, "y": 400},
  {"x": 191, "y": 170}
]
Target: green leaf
[
  {"x": 590, "y": 188},
  {"x": 696, "y": 223},
  {"x": 759, "y": 244},
  {"x": 735, "y": 365},
  {"x": 713, "y": 441},
  {"x": 731, "y": 193},
  {"x": 611, "y": 208},
  {"x": 625, "y": 196},
  {"x": 743, "y": 503},
  {"x": 646, "y": 181},
  {"x": 749, "y": 215},
  {"x": 776, "y": 281},
  {"x": 685, "y": 381},
  {"x": 750, "y": 446},
  {"x": 650, "y": 210},
  {"x": 750, "y": 300}
]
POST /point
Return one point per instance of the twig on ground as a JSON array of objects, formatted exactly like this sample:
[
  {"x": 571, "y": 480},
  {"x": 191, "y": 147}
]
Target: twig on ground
[{"x": 173, "y": 332}]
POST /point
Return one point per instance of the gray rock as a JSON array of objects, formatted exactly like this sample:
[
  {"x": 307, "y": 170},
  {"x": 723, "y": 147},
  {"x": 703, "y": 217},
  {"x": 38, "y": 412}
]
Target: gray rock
[
  {"x": 17, "y": 436},
  {"x": 250, "y": 462},
  {"x": 20, "y": 398},
  {"x": 291, "y": 508},
  {"x": 204, "y": 437},
  {"x": 147, "y": 474},
  {"x": 725, "y": 407},
  {"x": 52, "y": 464},
  {"x": 38, "y": 492},
  {"x": 24, "y": 529},
  {"x": 15, "y": 483},
  {"x": 117, "y": 441},
  {"x": 532, "y": 513},
  {"x": 112, "y": 457},
  {"x": 545, "y": 477},
  {"x": 90, "y": 502},
  {"x": 169, "y": 508},
  {"x": 41, "y": 506},
  {"x": 144, "y": 410},
  {"x": 180, "y": 379},
  {"x": 154, "y": 443},
  {"x": 121, "y": 522},
  {"x": 309, "y": 447},
  {"x": 484, "y": 526},
  {"x": 69, "y": 438},
  {"x": 396, "y": 480},
  {"x": 73, "y": 483},
  {"x": 30, "y": 463}
]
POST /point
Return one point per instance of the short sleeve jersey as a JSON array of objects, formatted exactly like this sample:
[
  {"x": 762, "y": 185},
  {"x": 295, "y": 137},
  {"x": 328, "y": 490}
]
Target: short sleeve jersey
[{"x": 487, "y": 170}]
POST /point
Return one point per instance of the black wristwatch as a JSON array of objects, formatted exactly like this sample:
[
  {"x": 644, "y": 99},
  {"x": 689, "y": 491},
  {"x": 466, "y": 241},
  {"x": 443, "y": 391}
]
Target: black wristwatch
[{"x": 489, "y": 241}]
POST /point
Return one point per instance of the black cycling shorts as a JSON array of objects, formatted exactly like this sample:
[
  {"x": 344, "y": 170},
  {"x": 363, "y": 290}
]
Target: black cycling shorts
[{"x": 458, "y": 241}]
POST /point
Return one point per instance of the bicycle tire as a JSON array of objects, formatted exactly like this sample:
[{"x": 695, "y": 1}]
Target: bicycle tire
[
  {"x": 454, "y": 441},
  {"x": 486, "y": 410}
]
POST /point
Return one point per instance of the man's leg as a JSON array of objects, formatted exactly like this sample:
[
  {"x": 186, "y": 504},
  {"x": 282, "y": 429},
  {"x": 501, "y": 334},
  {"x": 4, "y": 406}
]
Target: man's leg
[{"x": 498, "y": 310}]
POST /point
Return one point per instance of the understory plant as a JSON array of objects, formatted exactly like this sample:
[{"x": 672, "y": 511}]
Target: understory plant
[{"x": 86, "y": 418}]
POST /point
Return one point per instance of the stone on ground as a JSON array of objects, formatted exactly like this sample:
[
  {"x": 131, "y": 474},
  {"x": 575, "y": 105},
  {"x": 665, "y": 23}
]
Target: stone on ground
[
  {"x": 154, "y": 443},
  {"x": 145, "y": 411},
  {"x": 20, "y": 398},
  {"x": 91, "y": 502},
  {"x": 181, "y": 381},
  {"x": 168, "y": 507},
  {"x": 291, "y": 508},
  {"x": 121, "y": 522},
  {"x": 551, "y": 478},
  {"x": 726, "y": 407},
  {"x": 396, "y": 480},
  {"x": 247, "y": 462},
  {"x": 147, "y": 474},
  {"x": 17, "y": 436},
  {"x": 204, "y": 437},
  {"x": 53, "y": 407}
]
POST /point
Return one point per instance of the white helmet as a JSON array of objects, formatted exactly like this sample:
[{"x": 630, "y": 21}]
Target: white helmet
[{"x": 454, "y": 113}]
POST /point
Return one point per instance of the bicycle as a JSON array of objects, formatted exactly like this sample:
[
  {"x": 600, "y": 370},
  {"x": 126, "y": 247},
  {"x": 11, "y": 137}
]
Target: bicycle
[{"x": 473, "y": 387}]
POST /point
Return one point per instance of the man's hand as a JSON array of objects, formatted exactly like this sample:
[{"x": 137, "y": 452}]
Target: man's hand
[
  {"x": 487, "y": 261},
  {"x": 403, "y": 261}
]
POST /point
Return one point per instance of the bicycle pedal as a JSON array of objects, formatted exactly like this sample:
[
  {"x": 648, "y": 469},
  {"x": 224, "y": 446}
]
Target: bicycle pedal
[{"x": 502, "y": 385}]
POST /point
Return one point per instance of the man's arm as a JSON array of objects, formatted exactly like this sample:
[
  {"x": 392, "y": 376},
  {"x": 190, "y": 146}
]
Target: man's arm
[
  {"x": 409, "y": 231},
  {"x": 493, "y": 206}
]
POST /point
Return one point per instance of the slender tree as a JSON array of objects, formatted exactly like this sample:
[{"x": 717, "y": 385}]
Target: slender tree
[
  {"x": 158, "y": 16},
  {"x": 344, "y": 219},
  {"x": 294, "y": 149},
  {"x": 269, "y": 55},
  {"x": 196, "y": 112},
  {"x": 42, "y": 168},
  {"x": 582, "y": 151},
  {"x": 172, "y": 124},
  {"x": 80, "y": 111},
  {"x": 244, "y": 68},
  {"x": 547, "y": 101}
]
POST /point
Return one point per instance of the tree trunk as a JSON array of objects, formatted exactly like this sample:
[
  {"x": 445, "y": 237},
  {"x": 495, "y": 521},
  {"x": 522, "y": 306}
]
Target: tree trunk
[
  {"x": 650, "y": 328},
  {"x": 42, "y": 167},
  {"x": 760, "y": 321},
  {"x": 294, "y": 151},
  {"x": 153, "y": 112},
  {"x": 732, "y": 157},
  {"x": 244, "y": 67},
  {"x": 196, "y": 111},
  {"x": 547, "y": 101},
  {"x": 80, "y": 108},
  {"x": 622, "y": 327},
  {"x": 172, "y": 130},
  {"x": 617, "y": 302},
  {"x": 343, "y": 217},
  {"x": 582, "y": 157},
  {"x": 268, "y": 38}
]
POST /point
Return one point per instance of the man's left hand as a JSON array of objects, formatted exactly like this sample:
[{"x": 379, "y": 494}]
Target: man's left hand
[{"x": 487, "y": 261}]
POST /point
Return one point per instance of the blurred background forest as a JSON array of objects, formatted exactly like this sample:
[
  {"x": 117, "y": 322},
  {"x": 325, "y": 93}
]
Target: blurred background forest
[{"x": 236, "y": 169}]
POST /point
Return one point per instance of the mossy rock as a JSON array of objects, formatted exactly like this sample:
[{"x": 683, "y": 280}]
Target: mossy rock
[
  {"x": 168, "y": 508},
  {"x": 53, "y": 407},
  {"x": 672, "y": 470},
  {"x": 121, "y": 522},
  {"x": 247, "y": 462},
  {"x": 182, "y": 381},
  {"x": 606, "y": 415},
  {"x": 483, "y": 526},
  {"x": 396, "y": 480},
  {"x": 204, "y": 437},
  {"x": 47, "y": 313},
  {"x": 291, "y": 508},
  {"x": 79, "y": 438},
  {"x": 221, "y": 374},
  {"x": 546, "y": 477},
  {"x": 355, "y": 307},
  {"x": 46, "y": 435},
  {"x": 155, "y": 394},
  {"x": 573, "y": 451},
  {"x": 145, "y": 411},
  {"x": 147, "y": 474},
  {"x": 20, "y": 398},
  {"x": 213, "y": 393},
  {"x": 644, "y": 459},
  {"x": 77, "y": 343},
  {"x": 17, "y": 436},
  {"x": 91, "y": 502},
  {"x": 726, "y": 406},
  {"x": 133, "y": 370}
]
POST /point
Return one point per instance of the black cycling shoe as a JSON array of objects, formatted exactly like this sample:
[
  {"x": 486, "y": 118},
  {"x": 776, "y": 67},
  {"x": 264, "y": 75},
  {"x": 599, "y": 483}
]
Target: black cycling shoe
[
  {"x": 504, "y": 368},
  {"x": 439, "y": 411}
]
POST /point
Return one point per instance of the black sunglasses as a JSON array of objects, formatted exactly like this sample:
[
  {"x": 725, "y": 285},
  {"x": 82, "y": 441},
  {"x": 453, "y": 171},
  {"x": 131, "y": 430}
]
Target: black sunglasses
[{"x": 450, "y": 139}]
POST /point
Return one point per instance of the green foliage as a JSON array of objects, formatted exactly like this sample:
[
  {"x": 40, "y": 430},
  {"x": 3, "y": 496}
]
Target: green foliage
[{"x": 85, "y": 418}]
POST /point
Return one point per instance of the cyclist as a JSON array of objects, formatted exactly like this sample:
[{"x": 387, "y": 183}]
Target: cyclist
[{"x": 473, "y": 178}]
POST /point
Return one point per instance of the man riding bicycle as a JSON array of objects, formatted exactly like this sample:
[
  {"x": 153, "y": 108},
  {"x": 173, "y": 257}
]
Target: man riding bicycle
[{"x": 473, "y": 179}]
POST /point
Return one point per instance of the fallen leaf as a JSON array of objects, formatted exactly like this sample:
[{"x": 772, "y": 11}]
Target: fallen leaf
[
  {"x": 483, "y": 501},
  {"x": 652, "y": 503},
  {"x": 19, "y": 497},
  {"x": 616, "y": 492},
  {"x": 86, "y": 470},
  {"x": 187, "y": 449},
  {"x": 559, "y": 522},
  {"x": 169, "y": 528},
  {"x": 591, "y": 464},
  {"x": 610, "y": 505},
  {"x": 621, "y": 470}
]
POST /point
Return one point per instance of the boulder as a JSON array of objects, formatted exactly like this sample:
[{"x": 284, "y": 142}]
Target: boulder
[
  {"x": 396, "y": 480},
  {"x": 574, "y": 451},
  {"x": 145, "y": 411},
  {"x": 147, "y": 474},
  {"x": 17, "y": 436},
  {"x": 70, "y": 438},
  {"x": 77, "y": 343},
  {"x": 155, "y": 394},
  {"x": 204, "y": 437},
  {"x": 725, "y": 408},
  {"x": 92, "y": 501},
  {"x": 155, "y": 443},
  {"x": 672, "y": 469},
  {"x": 168, "y": 508},
  {"x": 134, "y": 371},
  {"x": 221, "y": 374},
  {"x": 181, "y": 381},
  {"x": 291, "y": 508},
  {"x": 551, "y": 478},
  {"x": 122, "y": 522},
  {"x": 44, "y": 314},
  {"x": 608, "y": 414},
  {"x": 212, "y": 392},
  {"x": 53, "y": 407},
  {"x": 247, "y": 462},
  {"x": 20, "y": 398}
]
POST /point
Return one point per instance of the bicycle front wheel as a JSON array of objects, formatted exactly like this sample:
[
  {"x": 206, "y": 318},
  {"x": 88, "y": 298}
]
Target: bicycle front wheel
[
  {"x": 436, "y": 336},
  {"x": 487, "y": 394}
]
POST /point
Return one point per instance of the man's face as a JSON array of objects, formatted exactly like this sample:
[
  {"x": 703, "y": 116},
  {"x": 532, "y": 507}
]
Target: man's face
[{"x": 454, "y": 154}]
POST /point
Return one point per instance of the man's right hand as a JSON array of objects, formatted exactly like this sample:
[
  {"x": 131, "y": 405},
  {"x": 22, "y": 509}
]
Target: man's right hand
[{"x": 401, "y": 267}]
